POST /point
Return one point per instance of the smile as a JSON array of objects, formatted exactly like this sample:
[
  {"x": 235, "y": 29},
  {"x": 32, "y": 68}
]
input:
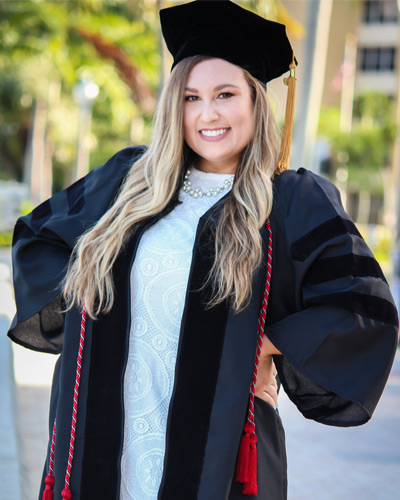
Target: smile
[{"x": 214, "y": 133}]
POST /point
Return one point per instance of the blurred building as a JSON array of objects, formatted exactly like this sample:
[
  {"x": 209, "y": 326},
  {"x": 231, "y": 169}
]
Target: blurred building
[
  {"x": 351, "y": 46},
  {"x": 12, "y": 196}
]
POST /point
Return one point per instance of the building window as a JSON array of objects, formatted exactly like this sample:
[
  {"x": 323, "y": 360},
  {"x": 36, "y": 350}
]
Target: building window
[
  {"x": 380, "y": 11},
  {"x": 378, "y": 59}
]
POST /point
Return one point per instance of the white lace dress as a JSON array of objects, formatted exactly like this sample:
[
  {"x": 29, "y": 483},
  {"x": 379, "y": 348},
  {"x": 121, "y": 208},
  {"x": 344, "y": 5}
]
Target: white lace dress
[{"x": 159, "y": 280}]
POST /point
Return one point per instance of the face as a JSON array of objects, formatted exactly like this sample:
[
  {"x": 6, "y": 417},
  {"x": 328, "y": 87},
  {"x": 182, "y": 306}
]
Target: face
[{"x": 218, "y": 115}]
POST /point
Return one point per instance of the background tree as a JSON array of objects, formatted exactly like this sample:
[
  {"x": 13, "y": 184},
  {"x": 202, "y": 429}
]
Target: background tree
[
  {"x": 365, "y": 150},
  {"x": 45, "y": 48}
]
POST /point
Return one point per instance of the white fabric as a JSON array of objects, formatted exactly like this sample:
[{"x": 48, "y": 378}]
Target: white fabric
[{"x": 159, "y": 280}]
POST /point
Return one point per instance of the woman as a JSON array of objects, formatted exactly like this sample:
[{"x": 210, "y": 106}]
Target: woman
[{"x": 171, "y": 262}]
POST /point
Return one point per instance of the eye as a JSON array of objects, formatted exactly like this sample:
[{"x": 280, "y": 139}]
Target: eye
[
  {"x": 191, "y": 98},
  {"x": 225, "y": 95}
]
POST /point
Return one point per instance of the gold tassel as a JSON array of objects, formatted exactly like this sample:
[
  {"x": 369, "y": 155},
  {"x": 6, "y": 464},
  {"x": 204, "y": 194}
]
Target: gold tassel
[{"x": 284, "y": 153}]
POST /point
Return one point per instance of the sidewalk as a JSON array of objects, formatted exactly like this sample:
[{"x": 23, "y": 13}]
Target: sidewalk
[
  {"x": 324, "y": 463},
  {"x": 9, "y": 459},
  {"x": 24, "y": 391},
  {"x": 331, "y": 463}
]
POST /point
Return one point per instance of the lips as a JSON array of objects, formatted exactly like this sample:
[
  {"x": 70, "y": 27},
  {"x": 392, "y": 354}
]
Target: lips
[
  {"x": 214, "y": 132},
  {"x": 214, "y": 135}
]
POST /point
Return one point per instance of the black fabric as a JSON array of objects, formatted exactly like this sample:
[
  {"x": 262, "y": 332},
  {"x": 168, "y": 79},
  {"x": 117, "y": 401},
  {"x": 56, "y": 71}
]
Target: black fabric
[
  {"x": 62, "y": 401},
  {"x": 42, "y": 246},
  {"x": 76, "y": 197},
  {"x": 41, "y": 215},
  {"x": 42, "y": 332},
  {"x": 367, "y": 306},
  {"x": 232, "y": 391},
  {"x": 327, "y": 343},
  {"x": 315, "y": 401},
  {"x": 332, "y": 268},
  {"x": 213, "y": 28},
  {"x": 307, "y": 244},
  {"x": 335, "y": 361},
  {"x": 104, "y": 428},
  {"x": 196, "y": 373},
  {"x": 271, "y": 456}
]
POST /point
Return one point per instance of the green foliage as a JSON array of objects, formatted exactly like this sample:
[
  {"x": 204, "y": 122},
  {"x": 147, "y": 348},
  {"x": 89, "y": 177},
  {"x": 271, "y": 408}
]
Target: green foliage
[
  {"x": 383, "y": 250},
  {"x": 6, "y": 239},
  {"x": 43, "y": 55},
  {"x": 26, "y": 207},
  {"x": 380, "y": 240},
  {"x": 365, "y": 150}
]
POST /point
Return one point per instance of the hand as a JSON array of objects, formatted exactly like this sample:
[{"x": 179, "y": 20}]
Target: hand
[{"x": 266, "y": 386}]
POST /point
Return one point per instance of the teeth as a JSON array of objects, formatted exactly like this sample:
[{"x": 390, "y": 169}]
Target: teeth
[{"x": 213, "y": 133}]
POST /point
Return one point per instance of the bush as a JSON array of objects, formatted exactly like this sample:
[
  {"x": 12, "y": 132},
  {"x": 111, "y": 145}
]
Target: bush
[{"x": 6, "y": 239}]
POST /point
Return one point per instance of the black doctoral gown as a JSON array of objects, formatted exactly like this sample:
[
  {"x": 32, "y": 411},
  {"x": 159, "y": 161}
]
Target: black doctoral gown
[{"x": 330, "y": 313}]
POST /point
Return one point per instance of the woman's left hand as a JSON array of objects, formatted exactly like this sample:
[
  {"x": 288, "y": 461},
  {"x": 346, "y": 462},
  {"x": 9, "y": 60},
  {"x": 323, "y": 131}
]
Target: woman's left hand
[{"x": 266, "y": 386}]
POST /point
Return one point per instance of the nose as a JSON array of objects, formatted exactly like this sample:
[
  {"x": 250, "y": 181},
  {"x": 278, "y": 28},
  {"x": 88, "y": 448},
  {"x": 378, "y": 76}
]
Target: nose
[{"x": 209, "y": 111}]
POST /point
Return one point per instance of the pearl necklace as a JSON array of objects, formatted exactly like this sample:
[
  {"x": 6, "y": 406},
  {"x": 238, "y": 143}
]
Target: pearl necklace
[{"x": 198, "y": 193}]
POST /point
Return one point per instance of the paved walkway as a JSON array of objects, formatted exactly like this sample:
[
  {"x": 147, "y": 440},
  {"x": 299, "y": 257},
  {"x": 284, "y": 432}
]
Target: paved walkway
[
  {"x": 325, "y": 463},
  {"x": 9, "y": 458},
  {"x": 331, "y": 463}
]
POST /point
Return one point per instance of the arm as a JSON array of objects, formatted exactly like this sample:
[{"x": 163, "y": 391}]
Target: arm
[
  {"x": 337, "y": 326},
  {"x": 266, "y": 386},
  {"x": 42, "y": 246}
]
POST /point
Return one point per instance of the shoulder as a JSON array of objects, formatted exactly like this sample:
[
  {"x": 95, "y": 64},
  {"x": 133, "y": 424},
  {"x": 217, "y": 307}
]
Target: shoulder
[
  {"x": 303, "y": 187},
  {"x": 76, "y": 208},
  {"x": 120, "y": 163},
  {"x": 102, "y": 182},
  {"x": 311, "y": 211},
  {"x": 129, "y": 155}
]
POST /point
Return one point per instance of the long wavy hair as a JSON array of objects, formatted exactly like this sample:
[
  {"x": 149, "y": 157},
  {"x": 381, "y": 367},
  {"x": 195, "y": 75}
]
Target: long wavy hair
[{"x": 149, "y": 187}]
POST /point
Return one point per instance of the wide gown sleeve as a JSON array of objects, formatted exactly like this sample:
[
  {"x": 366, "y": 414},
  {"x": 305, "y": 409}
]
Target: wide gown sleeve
[
  {"x": 339, "y": 342},
  {"x": 42, "y": 245}
]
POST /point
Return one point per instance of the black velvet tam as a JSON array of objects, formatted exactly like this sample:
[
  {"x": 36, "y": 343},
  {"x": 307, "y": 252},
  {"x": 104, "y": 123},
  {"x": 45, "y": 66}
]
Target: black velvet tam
[{"x": 223, "y": 29}]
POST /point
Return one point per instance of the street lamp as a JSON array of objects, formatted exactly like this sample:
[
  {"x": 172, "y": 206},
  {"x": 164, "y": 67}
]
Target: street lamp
[{"x": 84, "y": 93}]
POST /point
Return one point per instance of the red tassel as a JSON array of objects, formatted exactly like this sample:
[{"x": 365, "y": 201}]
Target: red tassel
[
  {"x": 250, "y": 486},
  {"x": 66, "y": 494},
  {"x": 48, "y": 491},
  {"x": 244, "y": 454},
  {"x": 246, "y": 469}
]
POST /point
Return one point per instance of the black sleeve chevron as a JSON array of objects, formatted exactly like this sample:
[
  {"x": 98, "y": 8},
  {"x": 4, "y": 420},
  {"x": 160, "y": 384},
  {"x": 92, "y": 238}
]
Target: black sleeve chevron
[{"x": 338, "y": 335}]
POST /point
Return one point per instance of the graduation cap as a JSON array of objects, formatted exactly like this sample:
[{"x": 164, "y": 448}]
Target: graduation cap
[{"x": 225, "y": 30}]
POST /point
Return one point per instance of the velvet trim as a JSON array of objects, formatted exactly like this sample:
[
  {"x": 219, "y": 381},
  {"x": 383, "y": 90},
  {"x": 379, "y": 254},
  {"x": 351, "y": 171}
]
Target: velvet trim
[
  {"x": 40, "y": 215},
  {"x": 350, "y": 264},
  {"x": 196, "y": 375},
  {"x": 365, "y": 305},
  {"x": 103, "y": 431},
  {"x": 307, "y": 244}
]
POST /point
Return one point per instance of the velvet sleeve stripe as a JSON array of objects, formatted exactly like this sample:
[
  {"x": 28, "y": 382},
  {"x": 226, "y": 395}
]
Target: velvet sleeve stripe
[
  {"x": 40, "y": 215},
  {"x": 76, "y": 197},
  {"x": 305, "y": 246},
  {"x": 368, "y": 306},
  {"x": 350, "y": 264}
]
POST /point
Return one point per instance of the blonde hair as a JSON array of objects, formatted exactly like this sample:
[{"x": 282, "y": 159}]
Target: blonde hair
[{"x": 149, "y": 187}]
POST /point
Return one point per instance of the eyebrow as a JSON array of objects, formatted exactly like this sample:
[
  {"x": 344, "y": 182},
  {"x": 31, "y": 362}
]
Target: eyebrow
[{"x": 218, "y": 87}]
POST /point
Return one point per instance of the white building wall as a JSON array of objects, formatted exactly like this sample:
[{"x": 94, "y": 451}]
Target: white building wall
[
  {"x": 378, "y": 35},
  {"x": 384, "y": 81}
]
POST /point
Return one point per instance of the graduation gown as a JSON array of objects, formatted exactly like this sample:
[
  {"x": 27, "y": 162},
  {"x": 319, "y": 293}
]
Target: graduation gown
[{"x": 330, "y": 313}]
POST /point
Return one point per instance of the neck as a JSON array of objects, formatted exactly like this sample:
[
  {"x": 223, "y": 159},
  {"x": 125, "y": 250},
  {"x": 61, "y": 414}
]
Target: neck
[{"x": 216, "y": 167}]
